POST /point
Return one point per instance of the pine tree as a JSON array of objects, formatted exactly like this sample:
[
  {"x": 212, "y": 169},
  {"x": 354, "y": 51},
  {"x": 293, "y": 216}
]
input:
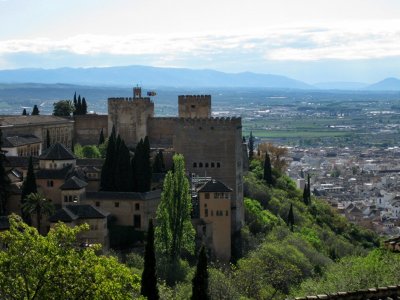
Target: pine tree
[
  {"x": 107, "y": 181},
  {"x": 268, "y": 170},
  {"x": 290, "y": 221},
  {"x": 48, "y": 141},
  {"x": 5, "y": 184},
  {"x": 251, "y": 146},
  {"x": 84, "y": 106},
  {"x": 308, "y": 189},
  {"x": 24, "y": 112},
  {"x": 101, "y": 138},
  {"x": 28, "y": 187},
  {"x": 200, "y": 279},
  {"x": 149, "y": 276},
  {"x": 35, "y": 110}
]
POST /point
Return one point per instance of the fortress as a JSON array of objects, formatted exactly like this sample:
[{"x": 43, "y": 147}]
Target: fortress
[
  {"x": 214, "y": 153},
  {"x": 212, "y": 147}
]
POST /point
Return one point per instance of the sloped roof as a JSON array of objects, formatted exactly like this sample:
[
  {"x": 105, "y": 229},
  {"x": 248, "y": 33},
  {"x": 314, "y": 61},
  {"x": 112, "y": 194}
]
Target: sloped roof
[
  {"x": 53, "y": 173},
  {"x": 57, "y": 151},
  {"x": 20, "y": 140},
  {"x": 123, "y": 195},
  {"x": 214, "y": 186},
  {"x": 73, "y": 183},
  {"x": 73, "y": 212}
]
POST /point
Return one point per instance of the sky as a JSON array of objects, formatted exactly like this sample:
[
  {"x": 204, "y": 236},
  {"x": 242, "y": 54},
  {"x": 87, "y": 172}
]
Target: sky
[{"x": 309, "y": 40}]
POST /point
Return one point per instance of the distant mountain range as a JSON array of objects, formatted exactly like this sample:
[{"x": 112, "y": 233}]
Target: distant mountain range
[{"x": 177, "y": 77}]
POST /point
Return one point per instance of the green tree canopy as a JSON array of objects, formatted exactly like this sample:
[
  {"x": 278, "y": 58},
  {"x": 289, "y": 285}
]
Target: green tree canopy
[
  {"x": 63, "y": 108},
  {"x": 35, "y": 110},
  {"x": 200, "y": 279},
  {"x": 5, "y": 184},
  {"x": 149, "y": 276},
  {"x": 174, "y": 231},
  {"x": 54, "y": 267}
]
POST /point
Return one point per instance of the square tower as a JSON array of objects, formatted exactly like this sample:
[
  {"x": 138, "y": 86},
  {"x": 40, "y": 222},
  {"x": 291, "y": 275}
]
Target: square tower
[{"x": 194, "y": 106}]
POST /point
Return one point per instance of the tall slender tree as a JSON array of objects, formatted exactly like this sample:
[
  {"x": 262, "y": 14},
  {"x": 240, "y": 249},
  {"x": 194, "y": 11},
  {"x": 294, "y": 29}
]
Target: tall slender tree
[
  {"x": 251, "y": 146},
  {"x": 107, "y": 181},
  {"x": 174, "y": 231},
  {"x": 200, "y": 279},
  {"x": 268, "y": 170},
  {"x": 5, "y": 184},
  {"x": 35, "y": 110},
  {"x": 290, "y": 221},
  {"x": 79, "y": 106},
  {"x": 123, "y": 171},
  {"x": 75, "y": 105},
  {"x": 24, "y": 112},
  {"x": 84, "y": 106},
  {"x": 137, "y": 167},
  {"x": 146, "y": 165},
  {"x": 158, "y": 164},
  {"x": 36, "y": 203},
  {"x": 308, "y": 189},
  {"x": 149, "y": 276},
  {"x": 305, "y": 195}
]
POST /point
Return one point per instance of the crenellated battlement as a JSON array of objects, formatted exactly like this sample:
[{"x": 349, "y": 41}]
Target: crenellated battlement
[
  {"x": 185, "y": 98},
  {"x": 130, "y": 99}
]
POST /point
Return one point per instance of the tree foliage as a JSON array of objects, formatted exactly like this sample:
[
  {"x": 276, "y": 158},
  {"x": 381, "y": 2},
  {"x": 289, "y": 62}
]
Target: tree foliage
[
  {"x": 200, "y": 279},
  {"x": 250, "y": 145},
  {"x": 35, "y": 110},
  {"x": 268, "y": 170},
  {"x": 54, "y": 267},
  {"x": 28, "y": 187},
  {"x": 63, "y": 108},
  {"x": 149, "y": 276},
  {"x": 101, "y": 138},
  {"x": 36, "y": 203},
  {"x": 277, "y": 155},
  {"x": 174, "y": 231}
]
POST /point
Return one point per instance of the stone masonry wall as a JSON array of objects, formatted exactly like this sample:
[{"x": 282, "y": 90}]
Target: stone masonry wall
[{"x": 88, "y": 127}]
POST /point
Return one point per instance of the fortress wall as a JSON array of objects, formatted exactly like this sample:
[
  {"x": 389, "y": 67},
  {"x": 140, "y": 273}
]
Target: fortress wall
[
  {"x": 88, "y": 127},
  {"x": 194, "y": 106},
  {"x": 161, "y": 132},
  {"x": 213, "y": 147}
]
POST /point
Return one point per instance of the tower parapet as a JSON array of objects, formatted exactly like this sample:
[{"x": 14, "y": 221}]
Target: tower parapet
[{"x": 194, "y": 106}]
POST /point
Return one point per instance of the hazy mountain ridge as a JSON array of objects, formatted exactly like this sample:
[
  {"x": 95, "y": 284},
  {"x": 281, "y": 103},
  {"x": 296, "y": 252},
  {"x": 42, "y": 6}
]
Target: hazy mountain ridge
[{"x": 127, "y": 76}]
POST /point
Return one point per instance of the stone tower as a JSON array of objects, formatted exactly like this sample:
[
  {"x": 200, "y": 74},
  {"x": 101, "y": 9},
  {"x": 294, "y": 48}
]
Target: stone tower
[
  {"x": 130, "y": 116},
  {"x": 194, "y": 106}
]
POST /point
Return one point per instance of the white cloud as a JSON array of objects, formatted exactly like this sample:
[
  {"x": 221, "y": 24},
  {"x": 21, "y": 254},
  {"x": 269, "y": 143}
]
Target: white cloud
[{"x": 349, "y": 41}]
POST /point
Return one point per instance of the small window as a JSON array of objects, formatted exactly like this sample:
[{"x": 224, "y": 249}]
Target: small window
[
  {"x": 212, "y": 165},
  {"x": 216, "y": 195},
  {"x": 200, "y": 165},
  {"x": 206, "y": 165},
  {"x": 206, "y": 212},
  {"x": 193, "y": 106},
  {"x": 194, "y": 165},
  {"x": 69, "y": 198},
  {"x": 218, "y": 165},
  {"x": 226, "y": 213},
  {"x": 97, "y": 203},
  {"x": 116, "y": 204},
  {"x": 207, "y": 196},
  {"x": 205, "y": 205},
  {"x": 137, "y": 206},
  {"x": 65, "y": 198}
]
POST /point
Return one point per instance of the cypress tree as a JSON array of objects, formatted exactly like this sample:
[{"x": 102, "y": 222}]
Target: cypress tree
[
  {"x": 158, "y": 165},
  {"x": 29, "y": 186},
  {"x": 305, "y": 195},
  {"x": 268, "y": 170},
  {"x": 24, "y": 112},
  {"x": 5, "y": 183},
  {"x": 251, "y": 146},
  {"x": 79, "y": 106},
  {"x": 147, "y": 170},
  {"x": 48, "y": 141},
  {"x": 123, "y": 171},
  {"x": 84, "y": 106},
  {"x": 75, "y": 105},
  {"x": 107, "y": 181},
  {"x": 291, "y": 217},
  {"x": 35, "y": 110},
  {"x": 149, "y": 276},
  {"x": 200, "y": 279},
  {"x": 137, "y": 167},
  {"x": 101, "y": 138}
]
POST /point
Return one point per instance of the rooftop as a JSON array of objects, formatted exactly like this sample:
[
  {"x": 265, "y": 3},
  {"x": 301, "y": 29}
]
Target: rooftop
[
  {"x": 214, "y": 186},
  {"x": 73, "y": 212},
  {"x": 73, "y": 183},
  {"x": 20, "y": 140},
  {"x": 11, "y": 121},
  {"x": 57, "y": 151}
]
